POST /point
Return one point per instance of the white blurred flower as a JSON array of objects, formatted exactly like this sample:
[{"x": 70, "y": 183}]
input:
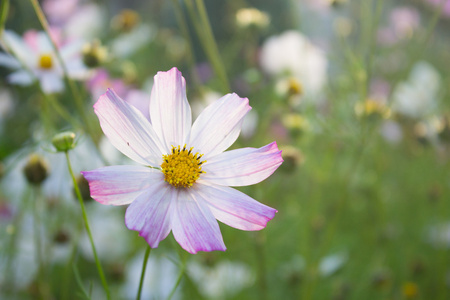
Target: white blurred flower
[
  {"x": 332, "y": 263},
  {"x": 160, "y": 278},
  {"x": 35, "y": 60},
  {"x": 85, "y": 20},
  {"x": 129, "y": 42},
  {"x": 223, "y": 280},
  {"x": 439, "y": 235},
  {"x": 291, "y": 53},
  {"x": 328, "y": 265},
  {"x": 417, "y": 97}
]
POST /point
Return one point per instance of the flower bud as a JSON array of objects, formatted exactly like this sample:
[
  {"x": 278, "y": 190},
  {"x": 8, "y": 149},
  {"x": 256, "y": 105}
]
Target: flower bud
[
  {"x": 94, "y": 54},
  {"x": 64, "y": 141},
  {"x": 126, "y": 20},
  {"x": 292, "y": 157},
  {"x": 36, "y": 170}
]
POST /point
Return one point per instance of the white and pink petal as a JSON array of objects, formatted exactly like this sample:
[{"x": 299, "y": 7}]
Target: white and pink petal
[
  {"x": 120, "y": 185},
  {"x": 242, "y": 167},
  {"x": 219, "y": 124},
  {"x": 170, "y": 113},
  {"x": 128, "y": 130},
  {"x": 193, "y": 225},
  {"x": 150, "y": 213},
  {"x": 235, "y": 208}
]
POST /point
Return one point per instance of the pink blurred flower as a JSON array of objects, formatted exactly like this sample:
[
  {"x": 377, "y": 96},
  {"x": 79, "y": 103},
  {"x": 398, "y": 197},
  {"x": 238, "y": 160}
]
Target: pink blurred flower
[
  {"x": 183, "y": 183},
  {"x": 101, "y": 81},
  {"x": 437, "y": 4},
  {"x": 403, "y": 21},
  {"x": 35, "y": 60}
]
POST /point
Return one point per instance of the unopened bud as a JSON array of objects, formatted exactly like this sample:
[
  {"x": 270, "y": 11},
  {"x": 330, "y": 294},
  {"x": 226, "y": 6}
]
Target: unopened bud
[
  {"x": 126, "y": 20},
  {"x": 292, "y": 157},
  {"x": 64, "y": 141},
  {"x": 94, "y": 54},
  {"x": 36, "y": 170}
]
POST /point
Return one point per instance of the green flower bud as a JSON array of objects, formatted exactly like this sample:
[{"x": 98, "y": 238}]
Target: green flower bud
[
  {"x": 36, "y": 170},
  {"x": 94, "y": 54},
  {"x": 64, "y": 141},
  {"x": 292, "y": 157}
]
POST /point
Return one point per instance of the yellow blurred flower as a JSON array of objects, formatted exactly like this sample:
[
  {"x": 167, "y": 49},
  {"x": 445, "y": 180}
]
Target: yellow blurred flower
[
  {"x": 247, "y": 17},
  {"x": 372, "y": 107}
]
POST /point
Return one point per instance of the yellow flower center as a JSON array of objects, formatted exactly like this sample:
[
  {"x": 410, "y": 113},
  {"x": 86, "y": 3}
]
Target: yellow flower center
[
  {"x": 294, "y": 87},
  {"x": 45, "y": 61},
  {"x": 182, "y": 168}
]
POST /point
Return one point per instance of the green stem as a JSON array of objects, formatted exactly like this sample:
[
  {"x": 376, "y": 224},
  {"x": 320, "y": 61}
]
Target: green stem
[
  {"x": 199, "y": 18},
  {"x": 69, "y": 267},
  {"x": 177, "y": 283},
  {"x": 61, "y": 110},
  {"x": 88, "y": 229},
  {"x": 42, "y": 288},
  {"x": 44, "y": 24},
  {"x": 182, "y": 24},
  {"x": 72, "y": 86},
  {"x": 144, "y": 266}
]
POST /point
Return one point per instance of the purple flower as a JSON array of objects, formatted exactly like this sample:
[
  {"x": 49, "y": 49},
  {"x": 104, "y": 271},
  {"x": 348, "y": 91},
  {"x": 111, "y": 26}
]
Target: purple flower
[{"x": 183, "y": 183}]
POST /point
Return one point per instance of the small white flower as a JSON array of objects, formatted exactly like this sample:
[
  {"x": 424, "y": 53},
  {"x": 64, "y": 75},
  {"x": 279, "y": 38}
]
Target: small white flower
[
  {"x": 418, "y": 96},
  {"x": 35, "y": 60},
  {"x": 293, "y": 54},
  {"x": 224, "y": 280}
]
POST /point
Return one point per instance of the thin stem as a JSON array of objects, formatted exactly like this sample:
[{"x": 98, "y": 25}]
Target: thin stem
[
  {"x": 75, "y": 92},
  {"x": 199, "y": 18},
  {"x": 177, "y": 283},
  {"x": 72, "y": 86},
  {"x": 182, "y": 24},
  {"x": 37, "y": 241},
  {"x": 61, "y": 110},
  {"x": 212, "y": 44},
  {"x": 144, "y": 266},
  {"x": 88, "y": 229},
  {"x": 69, "y": 267}
]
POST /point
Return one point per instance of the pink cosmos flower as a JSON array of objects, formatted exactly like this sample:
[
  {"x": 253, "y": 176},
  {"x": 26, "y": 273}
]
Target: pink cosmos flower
[{"x": 183, "y": 183}]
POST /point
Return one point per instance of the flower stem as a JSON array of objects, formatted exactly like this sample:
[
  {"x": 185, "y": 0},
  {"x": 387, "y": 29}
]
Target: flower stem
[
  {"x": 199, "y": 18},
  {"x": 144, "y": 266},
  {"x": 43, "y": 290},
  {"x": 177, "y": 283},
  {"x": 182, "y": 24},
  {"x": 72, "y": 86},
  {"x": 88, "y": 230}
]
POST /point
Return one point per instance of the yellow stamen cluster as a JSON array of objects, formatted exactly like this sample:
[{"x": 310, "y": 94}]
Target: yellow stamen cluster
[
  {"x": 45, "y": 61},
  {"x": 182, "y": 168}
]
